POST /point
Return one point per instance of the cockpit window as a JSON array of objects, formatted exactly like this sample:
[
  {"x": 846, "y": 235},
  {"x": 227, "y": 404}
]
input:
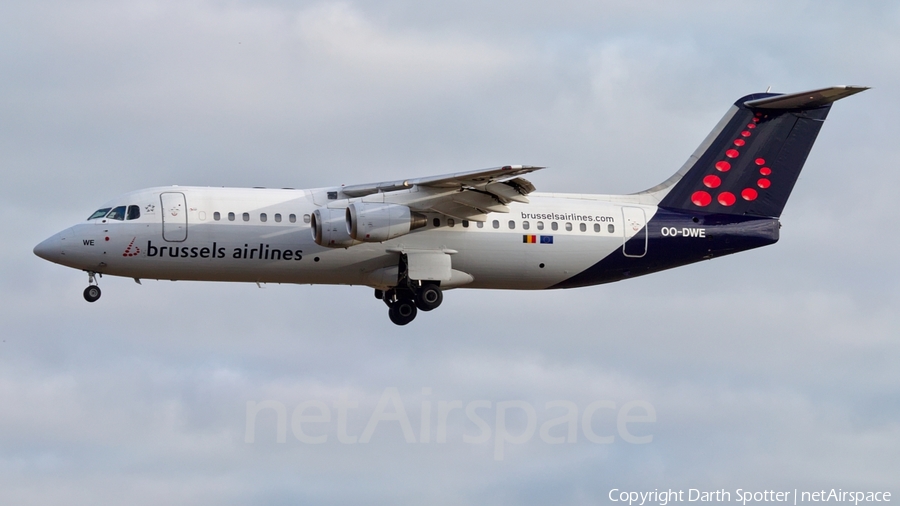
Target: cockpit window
[
  {"x": 117, "y": 213},
  {"x": 99, "y": 213},
  {"x": 134, "y": 212}
]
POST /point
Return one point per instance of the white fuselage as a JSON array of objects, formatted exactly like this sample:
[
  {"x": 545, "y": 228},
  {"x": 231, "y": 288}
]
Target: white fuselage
[{"x": 263, "y": 235}]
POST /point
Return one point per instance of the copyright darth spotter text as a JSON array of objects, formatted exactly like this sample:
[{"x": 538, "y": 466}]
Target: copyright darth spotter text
[{"x": 744, "y": 496}]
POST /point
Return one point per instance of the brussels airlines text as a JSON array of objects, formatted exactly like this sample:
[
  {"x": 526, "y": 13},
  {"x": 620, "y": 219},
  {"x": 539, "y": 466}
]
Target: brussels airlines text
[{"x": 248, "y": 252}]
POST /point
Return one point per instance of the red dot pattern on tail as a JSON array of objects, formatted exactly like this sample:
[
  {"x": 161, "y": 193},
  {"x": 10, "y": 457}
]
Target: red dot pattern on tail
[{"x": 701, "y": 198}]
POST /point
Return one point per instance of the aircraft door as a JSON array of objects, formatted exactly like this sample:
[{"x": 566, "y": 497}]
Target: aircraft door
[
  {"x": 635, "y": 232},
  {"x": 174, "y": 216}
]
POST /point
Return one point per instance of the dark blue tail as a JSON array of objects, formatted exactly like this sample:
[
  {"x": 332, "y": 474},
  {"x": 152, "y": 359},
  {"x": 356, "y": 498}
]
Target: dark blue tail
[{"x": 754, "y": 156}]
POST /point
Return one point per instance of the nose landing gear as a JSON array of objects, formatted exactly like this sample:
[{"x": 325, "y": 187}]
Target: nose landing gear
[{"x": 92, "y": 292}]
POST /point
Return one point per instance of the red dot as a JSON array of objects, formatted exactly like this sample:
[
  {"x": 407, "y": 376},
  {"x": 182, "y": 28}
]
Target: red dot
[
  {"x": 749, "y": 194},
  {"x": 756, "y": 120},
  {"x": 751, "y": 125},
  {"x": 760, "y": 161},
  {"x": 107, "y": 238},
  {"x": 763, "y": 183},
  {"x": 727, "y": 199},
  {"x": 712, "y": 181},
  {"x": 745, "y": 133},
  {"x": 732, "y": 153},
  {"x": 765, "y": 171},
  {"x": 758, "y": 114},
  {"x": 739, "y": 142},
  {"x": 701, "y": 198},
  {"x": 723, "y": 166}
]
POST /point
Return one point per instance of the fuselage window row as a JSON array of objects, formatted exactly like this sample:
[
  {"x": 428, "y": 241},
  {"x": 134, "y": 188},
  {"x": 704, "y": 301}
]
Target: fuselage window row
[
  {"x": 133, "y": 212},
  {"x": 526, "y": 225},
  {"x": 263, "y": 217}
]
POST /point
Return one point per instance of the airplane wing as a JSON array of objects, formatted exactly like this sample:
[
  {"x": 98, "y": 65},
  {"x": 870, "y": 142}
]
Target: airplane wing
[{"x": 463, "y": 195}]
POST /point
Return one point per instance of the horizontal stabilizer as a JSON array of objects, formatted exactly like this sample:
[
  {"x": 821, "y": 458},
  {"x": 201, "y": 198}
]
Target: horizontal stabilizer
[{"x": 807, "y": 99}]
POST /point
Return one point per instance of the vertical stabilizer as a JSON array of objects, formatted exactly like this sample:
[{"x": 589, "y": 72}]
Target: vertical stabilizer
[{"x": 751, "y": 161}]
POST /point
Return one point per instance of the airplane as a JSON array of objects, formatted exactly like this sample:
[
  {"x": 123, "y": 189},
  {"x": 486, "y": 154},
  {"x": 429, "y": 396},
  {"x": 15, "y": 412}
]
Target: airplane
[{"x": 412, "y": 239}]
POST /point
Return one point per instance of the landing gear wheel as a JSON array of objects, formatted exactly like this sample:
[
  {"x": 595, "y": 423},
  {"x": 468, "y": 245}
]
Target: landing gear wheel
[
  {"x": 402, "y": 312},
  {"x": 429, "y": 297},
  {"x": 92, "y": 293}
]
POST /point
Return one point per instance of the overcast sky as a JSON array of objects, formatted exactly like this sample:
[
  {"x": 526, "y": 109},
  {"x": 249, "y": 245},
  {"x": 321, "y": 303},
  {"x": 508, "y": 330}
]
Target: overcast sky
[{"x": 771, "y": 369}]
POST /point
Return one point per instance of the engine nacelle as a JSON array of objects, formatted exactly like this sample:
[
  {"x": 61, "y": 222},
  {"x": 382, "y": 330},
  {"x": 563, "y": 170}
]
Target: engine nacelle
[
  {"x": 373, "y": 222},
  {"x": 329, "y": 229}
]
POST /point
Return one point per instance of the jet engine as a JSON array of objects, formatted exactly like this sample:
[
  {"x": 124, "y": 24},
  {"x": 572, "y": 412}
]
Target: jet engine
[
  {"x": 373, "y": 222},
  {"x": 328, "y": 228}
]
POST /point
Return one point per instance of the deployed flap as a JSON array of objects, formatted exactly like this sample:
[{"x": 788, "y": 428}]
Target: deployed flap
[
  {"x": 428, "y": 266},
  {"x": 453, "y": 210}
]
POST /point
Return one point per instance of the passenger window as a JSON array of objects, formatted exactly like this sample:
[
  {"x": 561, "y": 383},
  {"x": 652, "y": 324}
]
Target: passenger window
[
  {"x": 479, "y": 224},
  {"x": 277, "y": 217},
  {"x": 596, "y": 227},
  {"x": 117, "y": 213},
  {"x": 512, "y": 225},
  {"x": 134, "y": 212},
  {"x": 495, "y": 224},
  {"x": 99, "y": 213},
  {"x": 465, "y": 223},
  {"x": 451, "y": 222},
  {"x": 230, "y": 216},
  {"x": 217, "y": 216},
  {"x": 611, "y": 228},
  {"x": 540, "y": 225},
  {"x": 293, "y": 218},
  {"x": 568, "y": 227},
  {"x": 245, "y": 216},
  {"x": 263, "y": 218},
  {"x": 554, "y": 226},
  {"x": 436, "y": 222},
  {"x": 582, "y": 227},
  {"x": 305, "y": 218},
  {"x": 526, "y": 225}
]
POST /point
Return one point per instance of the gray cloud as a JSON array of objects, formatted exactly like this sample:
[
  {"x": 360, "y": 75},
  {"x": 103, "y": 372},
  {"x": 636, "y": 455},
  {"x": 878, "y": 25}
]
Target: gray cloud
[{"x": 773, "y": 368}]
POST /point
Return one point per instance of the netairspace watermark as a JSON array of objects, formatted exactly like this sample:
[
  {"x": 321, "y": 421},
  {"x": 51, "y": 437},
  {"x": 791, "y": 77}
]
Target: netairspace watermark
[
  {"x": 316, "y": 416},
  {"x": 744, "y": 496}
]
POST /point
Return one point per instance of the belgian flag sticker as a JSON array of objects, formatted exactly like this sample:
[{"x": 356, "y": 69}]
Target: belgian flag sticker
[{"x": 533, "y": 239}]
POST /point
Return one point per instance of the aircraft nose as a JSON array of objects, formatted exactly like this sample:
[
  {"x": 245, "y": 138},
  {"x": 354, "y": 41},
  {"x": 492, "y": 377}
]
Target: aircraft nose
[
  {"x": 48, "y": 249},
  {"x": 51, "y": 248}
]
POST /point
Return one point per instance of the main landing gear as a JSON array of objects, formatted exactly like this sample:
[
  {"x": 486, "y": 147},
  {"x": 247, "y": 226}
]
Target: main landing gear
[
  {"x": 92, "y": 292},
  {"x": 405, "y": 303}
]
